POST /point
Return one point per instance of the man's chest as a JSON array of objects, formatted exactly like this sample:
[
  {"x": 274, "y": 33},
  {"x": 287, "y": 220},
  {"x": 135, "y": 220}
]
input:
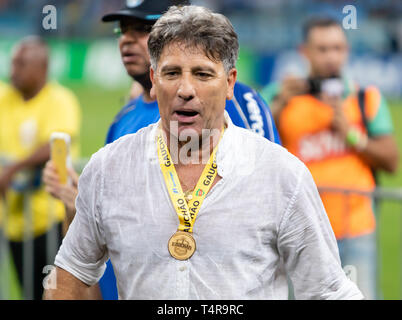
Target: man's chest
[
  {"x": 236, "y": 221},
  {"x": 189, "y": 177}
]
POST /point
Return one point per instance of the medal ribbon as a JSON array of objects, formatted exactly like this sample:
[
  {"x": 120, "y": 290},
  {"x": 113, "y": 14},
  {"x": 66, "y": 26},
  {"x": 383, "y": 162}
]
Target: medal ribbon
[{"x": 187, "y": 212}]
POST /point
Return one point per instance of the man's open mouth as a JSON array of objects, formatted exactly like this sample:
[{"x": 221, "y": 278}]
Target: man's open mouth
[
  {"x": 185, "y": 116},
  {"x": 186, "y": 113}
]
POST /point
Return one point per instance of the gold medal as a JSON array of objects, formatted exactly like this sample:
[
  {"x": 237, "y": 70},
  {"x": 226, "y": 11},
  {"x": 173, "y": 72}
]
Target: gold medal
[
  {"x": 181, "y": 245},
  {"x": 187, "y": 205}
]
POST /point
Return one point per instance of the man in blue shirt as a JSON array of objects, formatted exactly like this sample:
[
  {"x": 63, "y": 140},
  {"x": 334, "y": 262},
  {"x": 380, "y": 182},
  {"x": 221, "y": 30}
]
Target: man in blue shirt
[{"x": 247, "y": 109}]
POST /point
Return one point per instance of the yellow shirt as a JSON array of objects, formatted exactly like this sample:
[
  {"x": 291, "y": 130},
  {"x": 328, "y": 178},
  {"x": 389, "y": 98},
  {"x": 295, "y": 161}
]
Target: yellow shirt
[
  {"x": 25, "y": 126},
  {"x": 3, "y": 88}
]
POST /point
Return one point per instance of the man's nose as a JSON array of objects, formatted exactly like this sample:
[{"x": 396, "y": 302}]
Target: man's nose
[
  {"x": 128, "y": 37},
  {"x": 186, "y": 88}
]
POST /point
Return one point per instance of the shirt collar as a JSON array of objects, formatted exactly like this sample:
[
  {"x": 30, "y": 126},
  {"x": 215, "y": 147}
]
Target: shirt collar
[
  {"x": 221, "y": 154},
  {"x": 224, "y": 147}
]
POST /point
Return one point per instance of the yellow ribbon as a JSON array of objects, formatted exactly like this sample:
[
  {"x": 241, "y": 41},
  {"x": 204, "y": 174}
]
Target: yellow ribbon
[{"x": 187, "y": 212}]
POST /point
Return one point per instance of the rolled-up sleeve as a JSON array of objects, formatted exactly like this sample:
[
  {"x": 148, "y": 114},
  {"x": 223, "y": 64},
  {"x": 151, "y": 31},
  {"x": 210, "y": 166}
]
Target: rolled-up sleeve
[
  {"x": 308, "y": 247},
  {"x": 83, "y": 251}
]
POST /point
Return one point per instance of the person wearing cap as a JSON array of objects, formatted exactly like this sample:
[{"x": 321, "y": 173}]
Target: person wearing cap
[
  {"x": 344, "y": 134},
  {"x": 246, "y": 109},
  {"x": 253, "y": 215}
]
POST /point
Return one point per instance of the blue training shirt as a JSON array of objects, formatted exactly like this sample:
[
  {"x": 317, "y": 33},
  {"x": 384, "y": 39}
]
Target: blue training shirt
[{"x": 247, "y": 109}]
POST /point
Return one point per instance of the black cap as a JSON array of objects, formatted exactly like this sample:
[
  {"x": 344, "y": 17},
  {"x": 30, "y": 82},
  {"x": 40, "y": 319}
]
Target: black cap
[{"x": 147, "y": 10}]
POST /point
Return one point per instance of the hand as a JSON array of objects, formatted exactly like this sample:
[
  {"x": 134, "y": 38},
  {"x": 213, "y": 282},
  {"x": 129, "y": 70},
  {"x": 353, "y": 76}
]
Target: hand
[
  {"x": 292, "y": 86},
  {"x": 51, "y": 180},
  {"x": 339, "y": 122},
  {"x": 67, "y": 192}
]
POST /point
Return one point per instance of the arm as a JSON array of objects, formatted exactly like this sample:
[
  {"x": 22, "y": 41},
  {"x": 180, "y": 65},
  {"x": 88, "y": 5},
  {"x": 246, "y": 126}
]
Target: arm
[
  {"x": 38, "y": 157},
  {"x": 68, "y": 287},
  {"x": 83, "y": 253},
  {"x": 379, "y": 151},
  {"x": 64, "y": 279},
  {"x": 308, "y": 247}
]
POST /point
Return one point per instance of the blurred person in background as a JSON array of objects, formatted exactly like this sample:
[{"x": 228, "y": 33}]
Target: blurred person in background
[
  {"x": 3, "y": 88},
  {"x": 342, "y": 133},
  {"x": 30, "y": 110},
  {"x": 247, "y": 109}
]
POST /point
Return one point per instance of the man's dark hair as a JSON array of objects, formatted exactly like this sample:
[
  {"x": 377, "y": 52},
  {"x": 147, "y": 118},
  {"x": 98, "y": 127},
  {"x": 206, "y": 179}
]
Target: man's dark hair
[
  {"x": 195, "y": 26},
  {"x": 318, "y": 22}
]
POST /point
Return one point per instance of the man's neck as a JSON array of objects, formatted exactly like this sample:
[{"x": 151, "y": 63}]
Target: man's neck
[
  {"x": 30, "y": 93},
  {"x": 313, "y": 74},
  {"x": 147, "y": 96},
  {"x": 192, "y": 153},
  {"x": 145, "y": 81}
]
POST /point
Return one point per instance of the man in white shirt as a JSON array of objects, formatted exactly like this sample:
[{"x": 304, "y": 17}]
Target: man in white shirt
[{"x": 193, "y": 207}]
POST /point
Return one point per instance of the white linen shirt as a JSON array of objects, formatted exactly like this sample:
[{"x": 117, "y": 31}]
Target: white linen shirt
[{"x": 263, "y": 221}]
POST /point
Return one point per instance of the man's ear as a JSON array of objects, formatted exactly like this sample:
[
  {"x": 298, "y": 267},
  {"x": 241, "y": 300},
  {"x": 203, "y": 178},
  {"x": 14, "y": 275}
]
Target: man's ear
[
  {"x": 232, "y": 77},
  {"x": 152, "y": 91}
]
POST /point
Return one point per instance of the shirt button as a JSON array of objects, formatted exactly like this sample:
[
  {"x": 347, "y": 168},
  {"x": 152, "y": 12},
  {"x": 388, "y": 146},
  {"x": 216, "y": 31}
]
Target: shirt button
[{"x": 183, "y": 268}]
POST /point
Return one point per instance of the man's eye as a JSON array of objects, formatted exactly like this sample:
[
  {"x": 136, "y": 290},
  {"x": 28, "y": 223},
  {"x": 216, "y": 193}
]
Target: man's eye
[
  {"x": 171, "y": 73},
  {"x": 203, "y": 75}
]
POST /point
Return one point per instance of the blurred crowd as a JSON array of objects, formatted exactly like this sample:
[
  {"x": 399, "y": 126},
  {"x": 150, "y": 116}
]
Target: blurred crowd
[{"x": 378, "y": 21}]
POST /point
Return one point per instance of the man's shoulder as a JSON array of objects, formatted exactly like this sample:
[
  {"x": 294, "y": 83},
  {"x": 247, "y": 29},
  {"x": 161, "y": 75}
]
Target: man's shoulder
[
  {"x": 3, "y": 87},
  {"x": 262, "y": 157},
  {"x": 122, "y": 152},
  {"x": 128, "y": 108},
  {"x": 7, "y": 91},
  {"x": 58, "y": 89},
  {"x": 242, "y": 87},
  {"x": 65, "y": 96},
  {"x": 264, "y": 148},
  {"x": 245, "y": 92}
]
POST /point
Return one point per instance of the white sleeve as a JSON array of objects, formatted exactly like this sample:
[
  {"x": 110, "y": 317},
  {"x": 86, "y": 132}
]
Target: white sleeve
[
  {"x": 308, "y": 247},
  {"x": 83, "y": 251}
]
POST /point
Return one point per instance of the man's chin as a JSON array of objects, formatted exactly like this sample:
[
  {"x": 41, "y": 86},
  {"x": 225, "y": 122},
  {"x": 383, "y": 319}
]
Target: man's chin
[{"x": 331, "y": 74}]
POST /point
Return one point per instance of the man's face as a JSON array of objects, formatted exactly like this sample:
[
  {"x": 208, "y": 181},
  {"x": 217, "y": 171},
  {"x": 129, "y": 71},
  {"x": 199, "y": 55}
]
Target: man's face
[
  {"x": 133, "y": 46},
  {"x": 326, "y": 49},
  {"x": 191, "y": 89},
  {"x": 27, "y": 68}
]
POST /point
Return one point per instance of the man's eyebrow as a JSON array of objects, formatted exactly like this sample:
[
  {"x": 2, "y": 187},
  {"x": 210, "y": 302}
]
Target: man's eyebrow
[
  {"x": 175, "y": 67},
  {"x": 170, "y": 68},
  {"x": 203, "y": 68}
]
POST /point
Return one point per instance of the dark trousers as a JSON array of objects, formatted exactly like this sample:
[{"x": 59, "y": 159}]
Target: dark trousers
[{"x": 40, "y": 258}]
